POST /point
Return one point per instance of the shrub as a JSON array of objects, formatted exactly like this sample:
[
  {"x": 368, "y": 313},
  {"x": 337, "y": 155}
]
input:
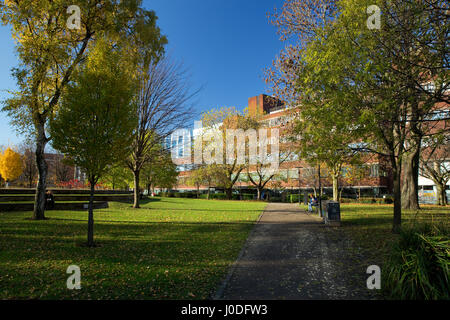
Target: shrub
[
  {"x": 247, "y": 196},
  {"x": 275, "y": 199},
  {"x": 167, "y": 194},
  {"x": 218, "y": 196},
  {"x": 293, "y": 198},
  {"x": 368, "y": 200},
  {"x": 418, "y": 267},
  {"x": 388, "y": 200},
  {"x": 73, "y": 184}
]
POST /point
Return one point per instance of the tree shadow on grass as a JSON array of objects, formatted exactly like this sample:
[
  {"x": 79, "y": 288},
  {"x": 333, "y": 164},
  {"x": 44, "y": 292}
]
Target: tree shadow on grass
[
  {"x": 126, "y": 229},
  {"x": 36, "y": 257},
  {"x": 194, "y": 209}
]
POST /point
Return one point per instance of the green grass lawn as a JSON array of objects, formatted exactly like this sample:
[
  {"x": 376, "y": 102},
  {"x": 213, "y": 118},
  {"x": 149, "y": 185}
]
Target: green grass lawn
[
  {"x": 370, "y": 226},
  {"x": 169, "y": 249}
]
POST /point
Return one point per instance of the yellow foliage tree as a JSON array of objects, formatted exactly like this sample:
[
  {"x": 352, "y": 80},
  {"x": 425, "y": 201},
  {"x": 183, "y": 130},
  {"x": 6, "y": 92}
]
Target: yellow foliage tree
[{"x": 10, "y": 165}]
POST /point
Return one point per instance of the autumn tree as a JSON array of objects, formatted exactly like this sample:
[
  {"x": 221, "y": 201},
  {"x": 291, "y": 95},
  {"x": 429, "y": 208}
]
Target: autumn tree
[
  {"x": 10, "y": 165},
  {"x": 261, "y": 173},
  {"x": 94, "y": 126},
  {"x": 354, "y": 174},
  {"x": 223, "y": 147},
  {"x": 51, "y": 43},
  {"x": 297, "y": 22}
]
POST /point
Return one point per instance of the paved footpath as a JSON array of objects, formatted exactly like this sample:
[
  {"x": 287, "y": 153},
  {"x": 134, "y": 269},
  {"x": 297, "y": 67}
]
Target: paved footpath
[{"x": 293, "y": 255}]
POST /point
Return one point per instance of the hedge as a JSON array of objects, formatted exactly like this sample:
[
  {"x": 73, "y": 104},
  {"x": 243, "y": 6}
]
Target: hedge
[
  {"x": 218, "y": 196},
  {"x": 369, "y": 200},
  {"x": 248, "y": 196},
  {"x": 293, "y": 198}
]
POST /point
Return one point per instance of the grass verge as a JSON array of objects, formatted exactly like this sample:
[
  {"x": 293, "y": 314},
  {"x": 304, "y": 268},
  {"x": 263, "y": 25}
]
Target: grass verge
[{"x": 169, "y": 249}]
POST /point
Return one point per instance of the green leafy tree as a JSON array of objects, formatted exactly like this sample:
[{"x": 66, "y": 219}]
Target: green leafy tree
[
  {"x": 50, "y": 49},
  {"x": 205, "y": 175},
  {"x": 197, "y": 178},
  {"x": 160, "y": 172},
  {"x": 374, "y": 80},
  {"x": 117, "y": 176},
  {"x": 322, "y": 135},
  {"x": 95, "y": 123}
]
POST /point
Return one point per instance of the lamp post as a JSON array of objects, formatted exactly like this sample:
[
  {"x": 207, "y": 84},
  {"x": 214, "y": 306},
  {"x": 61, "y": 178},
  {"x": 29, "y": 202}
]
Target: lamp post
[
  {"x": 299, "y": 168},
  {"x": 320, "y": 191}
]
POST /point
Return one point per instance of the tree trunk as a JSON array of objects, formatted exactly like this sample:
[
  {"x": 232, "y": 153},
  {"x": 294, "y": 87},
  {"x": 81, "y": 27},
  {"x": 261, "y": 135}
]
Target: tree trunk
[
  {"x": 410, "y": 183},
  {"x": 441, "y": 194},
  {"x": 207, "y": 196},
  {"x": 397, "y": 201},
  {"x": 340, "y": 193},
  {"x": 335, "y": 188},
  {"x": 90, "y": 240},
  {"x": 259, "y": 194},
  {"x": 136, "y": 189},
  {"x": 229, "y": 193},
  {"x": 39, "y": 198}
]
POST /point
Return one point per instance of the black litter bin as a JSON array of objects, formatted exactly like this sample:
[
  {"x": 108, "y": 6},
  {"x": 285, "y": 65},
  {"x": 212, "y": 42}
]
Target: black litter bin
[{"x": 333, "y": 213}]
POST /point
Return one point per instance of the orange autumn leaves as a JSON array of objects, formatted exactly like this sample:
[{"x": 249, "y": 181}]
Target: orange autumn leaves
[{"x": 10, "y": 164}]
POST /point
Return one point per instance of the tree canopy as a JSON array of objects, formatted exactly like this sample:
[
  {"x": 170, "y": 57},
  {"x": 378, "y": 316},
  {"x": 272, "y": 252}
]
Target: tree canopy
[{"x": 10, "y": 164}]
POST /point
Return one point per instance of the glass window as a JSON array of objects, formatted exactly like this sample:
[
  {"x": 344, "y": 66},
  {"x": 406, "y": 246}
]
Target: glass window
[
  {"x": 374, "y": 170},
  {"x": 293, "y": 173}
]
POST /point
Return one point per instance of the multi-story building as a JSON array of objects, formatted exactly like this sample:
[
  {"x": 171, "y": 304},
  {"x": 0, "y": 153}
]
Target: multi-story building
[{"x": 293, "y": 173}]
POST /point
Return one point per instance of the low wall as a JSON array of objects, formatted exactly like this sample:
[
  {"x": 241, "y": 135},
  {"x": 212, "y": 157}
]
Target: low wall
[
  {"x": 58, "y": 206},
  {"x": 62, "y": 191},
  {"x": 62, "y": 197}
]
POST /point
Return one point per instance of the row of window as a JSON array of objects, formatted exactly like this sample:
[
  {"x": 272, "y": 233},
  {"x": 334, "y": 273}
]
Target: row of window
[{"x": 287, "y": 174}]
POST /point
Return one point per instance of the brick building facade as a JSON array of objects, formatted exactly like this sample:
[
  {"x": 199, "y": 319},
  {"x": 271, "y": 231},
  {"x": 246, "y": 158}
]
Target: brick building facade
[{"x": 274, "y": 114}]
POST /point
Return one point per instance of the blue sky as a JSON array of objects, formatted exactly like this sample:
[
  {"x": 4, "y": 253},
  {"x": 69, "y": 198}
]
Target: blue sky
[{"x": 225, "y": 45}]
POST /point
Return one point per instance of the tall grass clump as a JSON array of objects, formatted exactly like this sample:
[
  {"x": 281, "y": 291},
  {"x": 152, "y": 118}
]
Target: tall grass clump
[{"x": 418, "y": 268}]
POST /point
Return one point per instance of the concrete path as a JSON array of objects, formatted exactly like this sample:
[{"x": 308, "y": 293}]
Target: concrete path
[{"x": 293, "y": 255}]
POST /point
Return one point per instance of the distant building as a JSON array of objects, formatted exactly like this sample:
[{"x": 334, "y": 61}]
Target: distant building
[{"x": 275, "y": 114}]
